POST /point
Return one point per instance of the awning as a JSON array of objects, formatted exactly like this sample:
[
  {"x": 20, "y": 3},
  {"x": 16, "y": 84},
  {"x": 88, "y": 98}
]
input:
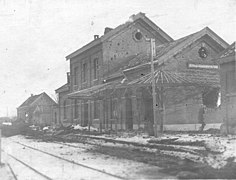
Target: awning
[
  {"x": 92, "y": 92},
  {"x": 188, "y": 77}
]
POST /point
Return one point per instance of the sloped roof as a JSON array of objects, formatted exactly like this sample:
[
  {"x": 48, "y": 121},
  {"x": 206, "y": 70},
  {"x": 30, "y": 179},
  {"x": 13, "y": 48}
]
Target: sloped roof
[
  {"x": 64, "y": 87},
  {"x": 33, "y": 98},
  {"x": 117, "y": 30},
  {"x": 164, "y": 51},
  {"x": 160, "y": 50},
  {"x": 230, "y": 51},
  {"x": 89, "y": 93},
  {"x": 30, "y": 100}
]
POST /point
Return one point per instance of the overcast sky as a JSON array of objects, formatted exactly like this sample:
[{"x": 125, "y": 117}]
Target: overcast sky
[{"x": 36, "y": 35}]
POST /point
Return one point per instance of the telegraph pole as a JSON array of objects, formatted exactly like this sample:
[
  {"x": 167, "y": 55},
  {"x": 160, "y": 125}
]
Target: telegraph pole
[{"x": 153, "y": 50}]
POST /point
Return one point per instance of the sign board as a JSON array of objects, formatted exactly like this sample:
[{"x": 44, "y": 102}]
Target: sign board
[{"x": 203, "y": 66}]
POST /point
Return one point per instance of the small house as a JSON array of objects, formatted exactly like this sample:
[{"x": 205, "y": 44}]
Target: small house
[{"x": 38, "y": 110}]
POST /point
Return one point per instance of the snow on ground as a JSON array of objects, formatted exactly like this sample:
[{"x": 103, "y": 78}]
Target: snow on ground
[
  {"x": 77, "y": 152},
  {"x": 78, "y": 127},
  {"x": 218, "y": 150}
]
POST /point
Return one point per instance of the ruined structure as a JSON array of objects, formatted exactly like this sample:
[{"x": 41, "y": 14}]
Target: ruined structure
[{"x": 98, "y": 90}]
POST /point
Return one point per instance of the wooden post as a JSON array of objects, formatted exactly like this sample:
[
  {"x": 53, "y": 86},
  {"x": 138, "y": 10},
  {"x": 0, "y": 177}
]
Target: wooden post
[
  {"x": 119, "y": 115},
  {"x": 116, "y": 111},
  {"x": 109, "y": 113},
  {"x": 101, "y": 115},
  {"x": 154, "y": 87},
  {"x": 138, "y": 111},
  {"x": 134, "y": 110},
  {"x": 161, "y": 108},
  {"x": 89, "y": 115},
  {"x": 92, "y": 112},
  {"x": 81, "y": 112},
  {"x": 123, "y": 107}
]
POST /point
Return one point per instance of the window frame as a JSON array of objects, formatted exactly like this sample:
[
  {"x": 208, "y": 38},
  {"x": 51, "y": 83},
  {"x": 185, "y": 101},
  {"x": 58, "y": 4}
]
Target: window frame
[
  {"x": 76, "y": 76},
  {"x": 84, "y": 72},
  {"x": 95, "y": 68}
]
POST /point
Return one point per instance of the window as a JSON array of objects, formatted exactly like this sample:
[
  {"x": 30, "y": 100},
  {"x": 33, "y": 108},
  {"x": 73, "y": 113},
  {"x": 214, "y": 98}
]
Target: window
[
  {"x": 202, "y": 52},
  {"x": 84, "y": 72},
  {"x": 76, "y": 76},
  {"x": 138, "y": 36},
  {"x": 64, "y": 109},
  {"x": 76, "y": 109},
  {"x": 95, "y": 68}
]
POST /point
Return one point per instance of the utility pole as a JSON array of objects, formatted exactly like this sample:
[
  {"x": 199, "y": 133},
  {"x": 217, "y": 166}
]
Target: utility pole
[{"x": 153, "y": 50}]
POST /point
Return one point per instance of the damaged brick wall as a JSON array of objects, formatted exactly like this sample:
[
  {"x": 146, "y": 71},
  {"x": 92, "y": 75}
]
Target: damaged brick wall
[{"x": 118, "y": 49}]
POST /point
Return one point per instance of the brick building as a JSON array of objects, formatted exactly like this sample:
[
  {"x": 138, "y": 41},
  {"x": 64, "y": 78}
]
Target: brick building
[
  {"x": 95, "y": 90},
  {"x": 38, "y": 110},
  {"x": 99, "y": 59},
  {"x": 192, "y": 56}
]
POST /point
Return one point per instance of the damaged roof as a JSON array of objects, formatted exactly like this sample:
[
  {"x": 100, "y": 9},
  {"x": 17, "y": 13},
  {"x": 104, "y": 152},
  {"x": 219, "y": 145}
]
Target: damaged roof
[
  {"x": 187, "y": 77},
  {"x": 228, "y": 55},
  {"x": 167, "y": 50},
  {"x": 117, "y": 30}
]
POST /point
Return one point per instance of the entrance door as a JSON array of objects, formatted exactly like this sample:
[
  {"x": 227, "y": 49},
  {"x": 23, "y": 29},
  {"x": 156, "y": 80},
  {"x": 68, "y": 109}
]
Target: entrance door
[{"x": 129, "y": 114}]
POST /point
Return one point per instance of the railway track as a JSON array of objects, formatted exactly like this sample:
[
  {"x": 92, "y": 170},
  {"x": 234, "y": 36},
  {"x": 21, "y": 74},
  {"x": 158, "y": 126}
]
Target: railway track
[
  {"x": 26, "y": 166},
  {"x": 60, "y": 158}
]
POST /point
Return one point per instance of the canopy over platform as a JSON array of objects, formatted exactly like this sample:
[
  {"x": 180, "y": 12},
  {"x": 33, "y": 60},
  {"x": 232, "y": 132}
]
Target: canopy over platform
[
  {"x": 189, "y": 77},
  {"x": 92, "y": 92}
]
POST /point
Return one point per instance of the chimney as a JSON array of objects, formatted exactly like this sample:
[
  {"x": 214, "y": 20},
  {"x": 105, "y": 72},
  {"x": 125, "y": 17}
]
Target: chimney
[
  {"x": 131, "y": 18},
  {"x": 32, "y": 95},
  {"x": 107, "y": 29},
  {"x": 96, "y": 37},
  {"x": 68, "y": 77}
]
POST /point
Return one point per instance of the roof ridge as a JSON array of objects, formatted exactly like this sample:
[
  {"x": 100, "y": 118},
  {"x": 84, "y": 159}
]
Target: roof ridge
[{"x": 109, "y": 34}]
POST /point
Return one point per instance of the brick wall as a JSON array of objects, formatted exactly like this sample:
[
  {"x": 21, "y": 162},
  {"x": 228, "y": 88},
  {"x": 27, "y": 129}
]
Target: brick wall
[
  {"x": 118, "y": 48},
  {"x": 88, "y": 58}
]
